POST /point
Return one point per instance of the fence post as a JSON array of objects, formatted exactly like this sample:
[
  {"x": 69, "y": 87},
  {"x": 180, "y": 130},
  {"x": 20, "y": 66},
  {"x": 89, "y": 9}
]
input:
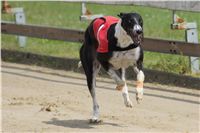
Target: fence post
[
  {"x": 86, "y": 14},
  {"x": 20, "y": 19},
  {"x": 192, "y": 36}
]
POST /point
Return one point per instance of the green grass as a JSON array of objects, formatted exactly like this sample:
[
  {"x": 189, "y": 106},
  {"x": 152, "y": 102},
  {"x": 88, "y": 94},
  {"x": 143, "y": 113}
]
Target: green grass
[{"x": 66, "y": 15}]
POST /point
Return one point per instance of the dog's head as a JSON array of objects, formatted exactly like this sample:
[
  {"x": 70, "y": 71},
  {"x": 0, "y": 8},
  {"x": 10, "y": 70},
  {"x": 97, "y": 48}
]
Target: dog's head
[{"x": 132, "y": 23}]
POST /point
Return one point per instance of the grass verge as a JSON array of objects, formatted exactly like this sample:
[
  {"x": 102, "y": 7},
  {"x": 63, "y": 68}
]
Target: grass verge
[{"x": 66, "y": 15}]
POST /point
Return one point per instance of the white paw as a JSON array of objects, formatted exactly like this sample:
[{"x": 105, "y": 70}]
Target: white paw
[
  {"x": 139, "y": 95},
  {"x": 138, "y": 98},
  {"x": 128, "y": 103}
]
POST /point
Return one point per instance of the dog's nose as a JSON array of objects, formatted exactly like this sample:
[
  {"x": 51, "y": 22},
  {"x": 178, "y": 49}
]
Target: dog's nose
[
  {"x": 137, "y": 29},
  {"x": 139, "y": 32}
]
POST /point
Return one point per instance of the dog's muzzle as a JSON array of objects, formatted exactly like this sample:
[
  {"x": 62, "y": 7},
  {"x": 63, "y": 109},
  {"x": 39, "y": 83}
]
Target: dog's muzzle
[{"x": 137, "y": 34}]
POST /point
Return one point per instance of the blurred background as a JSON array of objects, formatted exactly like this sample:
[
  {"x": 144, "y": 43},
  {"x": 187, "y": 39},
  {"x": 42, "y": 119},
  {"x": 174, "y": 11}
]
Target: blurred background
[{"x": 67, "y": 15}]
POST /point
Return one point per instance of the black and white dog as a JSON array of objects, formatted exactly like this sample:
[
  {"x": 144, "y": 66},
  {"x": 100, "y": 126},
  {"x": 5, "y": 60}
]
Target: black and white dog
[{"x": 124, "y": 39}]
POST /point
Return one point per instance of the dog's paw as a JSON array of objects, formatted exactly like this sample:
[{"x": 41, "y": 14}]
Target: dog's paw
[
  {"x": 95, "y": 121},
  {"x": 139, "y": 94},
  {"x": 128, "y": 103},
  {"x": 139, "y": 97}
]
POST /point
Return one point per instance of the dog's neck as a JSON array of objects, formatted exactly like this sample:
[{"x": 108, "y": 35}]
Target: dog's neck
[{"x": 123, "y": 39}]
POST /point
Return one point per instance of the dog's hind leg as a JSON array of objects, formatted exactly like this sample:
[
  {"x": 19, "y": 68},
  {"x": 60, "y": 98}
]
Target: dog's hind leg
[
  {"x": 91, "y": 68},
  {"x": 95, "y": 115}
]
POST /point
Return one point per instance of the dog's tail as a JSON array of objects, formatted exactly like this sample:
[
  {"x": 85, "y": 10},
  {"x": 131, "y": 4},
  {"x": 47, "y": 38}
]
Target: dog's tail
[
  {"x": 88, "y": 43},
  {"x": 79, "y": 64}
]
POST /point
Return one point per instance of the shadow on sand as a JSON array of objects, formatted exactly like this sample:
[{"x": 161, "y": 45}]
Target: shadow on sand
[{"x": 75, "y": 123}]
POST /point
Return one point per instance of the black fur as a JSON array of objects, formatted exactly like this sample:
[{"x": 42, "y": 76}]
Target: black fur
[{"x": 91, "y": 60}]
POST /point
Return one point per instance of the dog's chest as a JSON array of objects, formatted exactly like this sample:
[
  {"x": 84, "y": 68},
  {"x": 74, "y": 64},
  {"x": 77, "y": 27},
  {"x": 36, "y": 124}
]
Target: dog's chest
[{"x": 123, "y": 59}]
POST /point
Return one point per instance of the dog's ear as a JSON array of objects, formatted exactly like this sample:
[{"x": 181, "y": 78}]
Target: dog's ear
[{"x": 121, "y": 14}]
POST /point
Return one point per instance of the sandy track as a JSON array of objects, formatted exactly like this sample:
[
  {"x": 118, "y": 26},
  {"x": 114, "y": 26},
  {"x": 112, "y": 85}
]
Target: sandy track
[{"x": 38, "y": 99}]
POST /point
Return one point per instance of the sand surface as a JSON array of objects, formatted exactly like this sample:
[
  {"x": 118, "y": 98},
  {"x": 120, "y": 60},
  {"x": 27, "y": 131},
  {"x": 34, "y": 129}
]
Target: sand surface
[{"x": 36, "y": 99}]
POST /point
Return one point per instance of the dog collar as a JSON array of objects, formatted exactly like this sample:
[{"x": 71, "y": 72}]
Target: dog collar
[{"x": 132, "y": 46}]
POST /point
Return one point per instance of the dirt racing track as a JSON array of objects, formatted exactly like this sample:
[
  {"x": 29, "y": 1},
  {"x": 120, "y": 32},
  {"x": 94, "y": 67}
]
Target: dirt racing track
[{"x": 36, "y": 99}]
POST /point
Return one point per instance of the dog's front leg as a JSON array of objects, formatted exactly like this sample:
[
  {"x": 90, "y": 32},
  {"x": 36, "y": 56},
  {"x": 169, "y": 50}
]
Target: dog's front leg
[
  {"x": 116, "y": 77},
  {"x": 125, "y": 95},
  {"x": 139, "y": 84},
  {"x": 121, "y": 85}
]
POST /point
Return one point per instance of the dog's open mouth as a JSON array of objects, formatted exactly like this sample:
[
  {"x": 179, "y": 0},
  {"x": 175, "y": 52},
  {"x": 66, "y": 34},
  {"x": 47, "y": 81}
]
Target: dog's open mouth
[{"x": 137, "y": 38}]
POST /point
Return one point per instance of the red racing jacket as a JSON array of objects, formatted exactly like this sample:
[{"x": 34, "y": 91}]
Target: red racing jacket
[{"x": 100, "y": 27}]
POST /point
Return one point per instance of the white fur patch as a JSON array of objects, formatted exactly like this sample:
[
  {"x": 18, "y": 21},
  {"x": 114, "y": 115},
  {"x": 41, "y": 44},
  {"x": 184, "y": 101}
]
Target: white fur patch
[
  {"x": 123, "y": 39},
  {"x": 137, "y": 27},
  {"x": 124, "y": 59},
  {"x": 140, "y": 76}
]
